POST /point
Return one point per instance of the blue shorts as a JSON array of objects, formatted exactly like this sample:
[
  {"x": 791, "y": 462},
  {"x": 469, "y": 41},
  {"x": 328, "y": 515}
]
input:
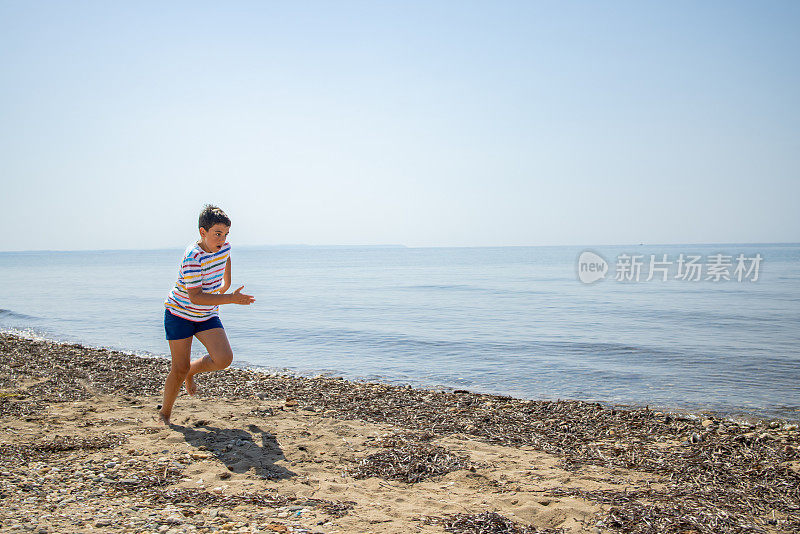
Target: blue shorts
[{"x": 180, "y": 328}]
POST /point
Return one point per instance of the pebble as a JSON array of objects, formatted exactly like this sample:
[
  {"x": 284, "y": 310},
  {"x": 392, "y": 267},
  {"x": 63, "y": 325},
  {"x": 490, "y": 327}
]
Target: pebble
[
  {"x": 790, "y": 427},
  {"x": 693, "y": 438}
]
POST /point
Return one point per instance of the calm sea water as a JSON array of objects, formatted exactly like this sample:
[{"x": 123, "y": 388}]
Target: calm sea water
[{"x": 511, "y": 320}]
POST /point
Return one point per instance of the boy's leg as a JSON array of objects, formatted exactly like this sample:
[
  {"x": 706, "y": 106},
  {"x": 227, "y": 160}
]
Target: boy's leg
[
  {"x": 181, "y": 350},
  {"x": 220, "y": 355}
]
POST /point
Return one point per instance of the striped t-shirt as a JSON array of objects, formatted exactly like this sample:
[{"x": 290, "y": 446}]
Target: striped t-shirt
[{"x": 198, "y": 269}]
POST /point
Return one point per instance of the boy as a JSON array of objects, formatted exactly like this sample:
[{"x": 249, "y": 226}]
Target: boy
[{"x": 192, "y": 307}]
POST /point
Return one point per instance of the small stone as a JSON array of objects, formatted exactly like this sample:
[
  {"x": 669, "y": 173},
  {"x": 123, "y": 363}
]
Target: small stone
[
  {"x": 790, "y": 427},
  {"x": 103, "y": 523},
  {"x": 225, "y": 475},
  {"x": 174, "y": 520},
  {"x": 693, "y": 438},
  {"x": 707, "y": 423}
]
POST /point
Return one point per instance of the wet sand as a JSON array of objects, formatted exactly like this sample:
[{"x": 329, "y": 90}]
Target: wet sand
[{"x": 80, "y": 451}]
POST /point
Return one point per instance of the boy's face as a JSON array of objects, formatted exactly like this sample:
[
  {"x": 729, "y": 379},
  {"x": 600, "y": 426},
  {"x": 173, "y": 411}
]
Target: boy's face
[{"x": 214, "y": 237}]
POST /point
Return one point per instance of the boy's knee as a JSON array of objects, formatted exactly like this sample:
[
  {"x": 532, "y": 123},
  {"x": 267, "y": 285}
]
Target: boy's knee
[
  {"x": 221, "y": 359},
  {"x": 226, "y": 359}
]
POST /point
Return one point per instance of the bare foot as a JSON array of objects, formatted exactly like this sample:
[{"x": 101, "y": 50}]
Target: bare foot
[
  {"x": 162, "y": 419},
  {"x": 191, "y": 387}
]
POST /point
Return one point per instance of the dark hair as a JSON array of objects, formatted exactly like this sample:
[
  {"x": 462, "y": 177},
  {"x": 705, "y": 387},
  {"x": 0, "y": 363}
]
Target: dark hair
[{"x": 212, "y": 215}]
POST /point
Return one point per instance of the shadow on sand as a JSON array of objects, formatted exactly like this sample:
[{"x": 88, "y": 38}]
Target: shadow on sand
[{"x": 239, "y": 449}]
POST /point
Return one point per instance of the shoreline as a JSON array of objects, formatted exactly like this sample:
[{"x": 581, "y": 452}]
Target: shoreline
[
  {"x": 251, "y": 450},
  {"x": 729, "y": 414}
]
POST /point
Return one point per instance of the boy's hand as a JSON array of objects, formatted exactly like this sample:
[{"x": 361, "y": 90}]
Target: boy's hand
[{"x": 241, "y": 298}]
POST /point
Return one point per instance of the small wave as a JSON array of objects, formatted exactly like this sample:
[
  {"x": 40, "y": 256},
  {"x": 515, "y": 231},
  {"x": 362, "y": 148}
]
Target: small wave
[
  {"x": 4, "y": 314},
  {"x": 472, "y": 289},
  {"x": 460, "y": 287}
]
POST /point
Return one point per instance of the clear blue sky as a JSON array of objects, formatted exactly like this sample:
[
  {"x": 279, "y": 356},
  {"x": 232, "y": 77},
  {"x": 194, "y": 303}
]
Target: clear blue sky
[{"x": 418, "y": 123}]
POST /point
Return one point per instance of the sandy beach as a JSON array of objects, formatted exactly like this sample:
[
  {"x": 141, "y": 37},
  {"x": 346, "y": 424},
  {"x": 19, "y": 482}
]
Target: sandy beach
[{"x": 251, "y": 452}]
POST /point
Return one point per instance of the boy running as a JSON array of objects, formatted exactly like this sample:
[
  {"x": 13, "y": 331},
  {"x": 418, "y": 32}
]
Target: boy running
[{"x": 192, "y": 307}]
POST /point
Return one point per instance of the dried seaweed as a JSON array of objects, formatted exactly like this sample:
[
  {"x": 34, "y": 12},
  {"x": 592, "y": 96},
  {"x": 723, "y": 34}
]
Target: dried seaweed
[
  {"x": 69, "y": 443},
  {"x": 408, "y": 460},
  {"x": 201, "y": 497},
  {"x": 11, "y": 454},
  {"x": 485, "y": 523},
  {"x": 12, "y": 408}
]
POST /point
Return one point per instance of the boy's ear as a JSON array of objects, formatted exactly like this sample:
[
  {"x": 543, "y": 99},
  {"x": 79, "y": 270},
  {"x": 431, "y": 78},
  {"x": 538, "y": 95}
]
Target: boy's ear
[{"x": 202, "y": 232}]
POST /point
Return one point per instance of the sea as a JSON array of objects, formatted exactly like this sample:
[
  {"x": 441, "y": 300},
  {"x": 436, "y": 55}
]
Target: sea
[{"x": 674, "y": 327}]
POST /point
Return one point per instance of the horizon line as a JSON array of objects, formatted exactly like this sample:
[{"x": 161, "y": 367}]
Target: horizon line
[{"x": 355, "y": 246}]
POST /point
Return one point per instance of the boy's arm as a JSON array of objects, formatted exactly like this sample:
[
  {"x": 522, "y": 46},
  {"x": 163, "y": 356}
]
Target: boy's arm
[
  {"x": 226, "y": 278},
  {"x": 196, "y": 296}
]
